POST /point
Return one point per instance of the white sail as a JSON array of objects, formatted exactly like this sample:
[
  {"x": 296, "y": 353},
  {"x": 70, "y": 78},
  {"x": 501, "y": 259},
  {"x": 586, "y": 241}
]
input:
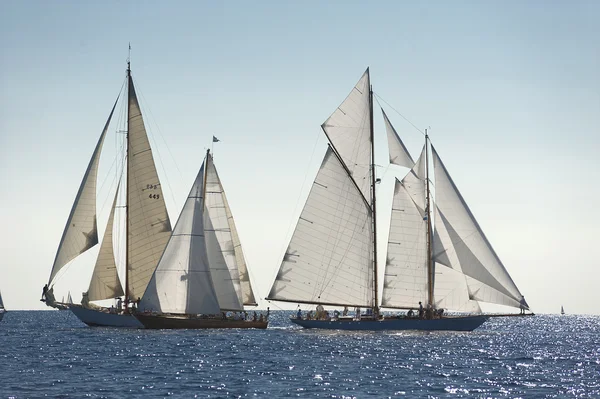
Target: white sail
[
  {"x": 105, "y": 282},
  {"x": 247, "y": 292},
  {"x": 405, "y": 282},
  {"x": 399, "y": 155},
  {"x": 182, "y": 283},
  {"x": 81, "y": 232},
  {"x": 349, "y": 131},
  {"x": 459, "y": 243},
  {"x": 149, "y": 227},
  {"x": 221, "y": 221},
  {"x": 329, "y": 259},
  {"x": 451, "y": 291},
  {"x": 225, "y": 286},
  {"x": 69, "y": 298}
]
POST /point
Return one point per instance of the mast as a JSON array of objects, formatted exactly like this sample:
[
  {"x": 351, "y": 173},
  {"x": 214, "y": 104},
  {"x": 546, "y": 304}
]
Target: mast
[
  {"x": 429, "y": 260},
  {"x": 204, "y": 182},
  {"x": 373, "y": 207},
  {"x": 128, "y": 182}
]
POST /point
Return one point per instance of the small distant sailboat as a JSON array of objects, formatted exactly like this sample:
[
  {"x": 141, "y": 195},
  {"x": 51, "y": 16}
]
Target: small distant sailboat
[
  {"x": 202, "y": 273},
  {"x": 331, "y": 259},
  {"x": 2, "y": 309},
  {"x": 562, "y": 310},
  {"x": 147, "y": 228}
]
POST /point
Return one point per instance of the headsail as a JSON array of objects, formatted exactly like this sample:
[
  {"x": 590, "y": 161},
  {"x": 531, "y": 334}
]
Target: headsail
[
  {"x": 405, "y": 283},
  {"x": 348, "y": 130},
  {"x": 105, "y": 282},
  {"x": 329, "y": 259},
  {"x": 182, "y": 281},
  {"x": 220, "y": 245},
  {"x": 149, "y": 227},
  {"x": 459, "y": 243},
  {"x": 399, "y": 155},
  {"x": 81, "y": 232}
]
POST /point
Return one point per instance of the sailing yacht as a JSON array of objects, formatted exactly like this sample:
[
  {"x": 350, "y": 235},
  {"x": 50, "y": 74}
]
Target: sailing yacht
[
  {"x": 147, "y": 228},
  {"x": 332, "y": 259},
  {"x": 562, "y": 310},
  {"x": 202, "y": 274}
]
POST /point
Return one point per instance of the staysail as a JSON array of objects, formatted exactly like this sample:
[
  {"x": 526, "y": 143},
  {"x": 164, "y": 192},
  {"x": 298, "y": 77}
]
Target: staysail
[
  {"x": 81, "y": 231},
  {"x": 459, "y": 243},
  {"x": 405, "y": 282},
  {"x": 148, "y": 227},
  {"x": 399, "y": 155},
  {"x": 182, "y": 282},
  {"x": 219, "y": 243},
  {"x": 105, "y": 282},
  {"x": 329, "y": 259},
  {"x": 349, "y": 131}
]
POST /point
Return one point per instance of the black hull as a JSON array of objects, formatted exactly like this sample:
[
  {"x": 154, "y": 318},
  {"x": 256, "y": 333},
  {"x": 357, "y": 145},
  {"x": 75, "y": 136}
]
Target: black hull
[{"x": 184, "y": 322}]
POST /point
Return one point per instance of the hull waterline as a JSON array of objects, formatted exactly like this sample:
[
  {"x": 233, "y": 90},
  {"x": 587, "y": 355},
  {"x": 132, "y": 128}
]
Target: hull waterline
[
  {"x": 467, "y": 323},
  {"x": 183, "y": 322},
  {"x": 99, "y": 318}
]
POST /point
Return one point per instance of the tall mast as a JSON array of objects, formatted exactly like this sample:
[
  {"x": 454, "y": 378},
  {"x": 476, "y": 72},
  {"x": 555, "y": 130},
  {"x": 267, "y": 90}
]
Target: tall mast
[
  {"x": 129, "y": 83},
  {"x": 427, "y": 219},
  {"x": 373, "y": 207},
  {"x": 204, "y": 183}
]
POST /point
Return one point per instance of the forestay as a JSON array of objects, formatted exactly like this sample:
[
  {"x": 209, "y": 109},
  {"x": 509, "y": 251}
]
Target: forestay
[
  {"x": 182, "y": 283},
  {"x": 459, "y": 243},
  {"x": 105, "y": 282},
  {"x": 81, "y": 231},
  {"x": 329, "y": 258},
  {"x": 405, "y": 282},
  {"x": 349, "y": 131},
  {"x": 399, "y": 155},
  {"x": 149, "y": 226}
]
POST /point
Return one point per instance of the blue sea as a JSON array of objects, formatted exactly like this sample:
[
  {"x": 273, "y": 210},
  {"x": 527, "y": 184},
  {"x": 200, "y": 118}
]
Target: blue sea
[{"x": 51, "y": 354}]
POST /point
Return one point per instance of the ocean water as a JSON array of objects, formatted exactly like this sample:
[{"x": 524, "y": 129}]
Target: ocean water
[{"x": 51, "y": 354}]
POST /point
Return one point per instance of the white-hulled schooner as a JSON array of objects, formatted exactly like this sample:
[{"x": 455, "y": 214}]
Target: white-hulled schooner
[
  {"x": 331, "y": 259},
  {"x": 147, "y": 228},
  {"x": 202, "y": 273}
]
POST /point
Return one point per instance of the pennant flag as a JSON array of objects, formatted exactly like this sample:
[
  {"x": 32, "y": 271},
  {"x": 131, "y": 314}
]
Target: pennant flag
[{"x": 215, "y": 140}]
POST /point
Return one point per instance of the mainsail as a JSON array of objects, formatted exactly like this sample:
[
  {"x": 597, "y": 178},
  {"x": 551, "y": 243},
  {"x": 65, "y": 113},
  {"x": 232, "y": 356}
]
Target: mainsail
[
  {"x": 219, "y": 243},
  {"x": 105, "y": 282},
  {"x": 459, "y": 243},
  {"x": 329, "y": 259},
  {"x": 148, "y": 227},
  {"x": 81, "y": 232},
  {"x": 182, "y": 282}
]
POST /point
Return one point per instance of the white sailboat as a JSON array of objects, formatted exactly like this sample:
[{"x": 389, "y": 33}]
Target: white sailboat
[
  {"x": 331, "y": 259},
  {"x": 147, "y": 228},
  {"x": 562, "y": 310},
  {"x": 202, "y": 272}
]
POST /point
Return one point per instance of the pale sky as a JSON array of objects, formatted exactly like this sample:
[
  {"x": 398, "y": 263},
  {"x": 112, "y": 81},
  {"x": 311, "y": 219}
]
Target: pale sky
[{"x": 510, "y": 89}]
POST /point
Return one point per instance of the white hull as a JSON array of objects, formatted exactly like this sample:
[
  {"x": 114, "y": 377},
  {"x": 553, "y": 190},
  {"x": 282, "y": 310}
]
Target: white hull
[{"x": 99, "y": 318}]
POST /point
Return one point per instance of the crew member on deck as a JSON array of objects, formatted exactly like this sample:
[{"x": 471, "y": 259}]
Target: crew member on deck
[
  {"x": 523, "y": 304},
  {"x": 420, "y": 310},
  {"x": 44, "y": 291}
]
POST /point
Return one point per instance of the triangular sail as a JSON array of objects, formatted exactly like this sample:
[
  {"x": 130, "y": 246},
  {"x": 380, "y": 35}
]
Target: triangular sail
[
  {"x": 399, "y": 155},
  {"x": 69, "y": 298},
  {"x": 329, "y": 259},
  {"x": 460, "y": 244},
  {"x": 405, "y": 282},
  {"x": 81, "y": 231},
  {"x": 182, "y": 283},
  {"x": 105, "y": 282},
  {"x": 227, "y": 237},
  {"x": 148, "y": 227},
  {"x": 349, "y": 131}
]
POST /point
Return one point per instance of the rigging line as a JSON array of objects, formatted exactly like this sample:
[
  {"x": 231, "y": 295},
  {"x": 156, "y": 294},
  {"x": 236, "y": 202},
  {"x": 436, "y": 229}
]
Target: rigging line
[{"x": 398, "y": 112}]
